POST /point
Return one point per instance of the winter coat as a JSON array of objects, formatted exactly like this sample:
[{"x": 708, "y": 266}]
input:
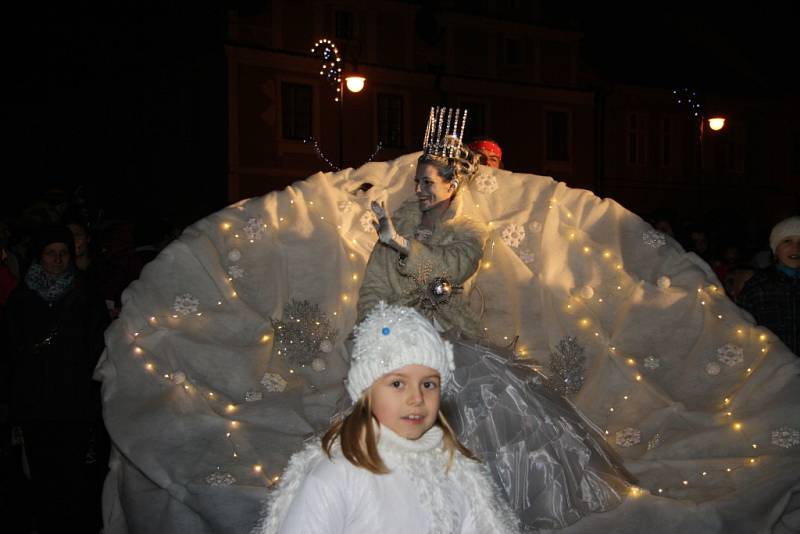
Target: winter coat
[
  {"x": 52, "y": 354},
  {"x": 332, "y": 496},
  {"x": 452, "y": 252}
]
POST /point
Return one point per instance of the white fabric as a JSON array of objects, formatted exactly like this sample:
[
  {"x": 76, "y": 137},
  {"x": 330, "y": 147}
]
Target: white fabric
[
  {"x": 321, "y": 495},
  {"x": 391, "y": 337},
  {"x": 553, "y": 254}
]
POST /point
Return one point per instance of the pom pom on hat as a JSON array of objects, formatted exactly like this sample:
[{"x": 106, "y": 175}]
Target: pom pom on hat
[
  {"x": 782, "y": 230},
  {"x": 391, "y": 337}
]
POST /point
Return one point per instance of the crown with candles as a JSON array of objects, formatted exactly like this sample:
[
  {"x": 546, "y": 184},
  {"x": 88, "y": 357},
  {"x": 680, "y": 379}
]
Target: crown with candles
[{"x": 443, "y": 137}]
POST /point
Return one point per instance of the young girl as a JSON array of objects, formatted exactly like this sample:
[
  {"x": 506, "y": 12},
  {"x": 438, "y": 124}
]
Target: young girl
[{"x": 393, "y": 463}]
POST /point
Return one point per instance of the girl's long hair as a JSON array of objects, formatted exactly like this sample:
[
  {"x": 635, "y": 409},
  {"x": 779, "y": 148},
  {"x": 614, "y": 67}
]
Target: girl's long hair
[{"x": 357, "y": 438}]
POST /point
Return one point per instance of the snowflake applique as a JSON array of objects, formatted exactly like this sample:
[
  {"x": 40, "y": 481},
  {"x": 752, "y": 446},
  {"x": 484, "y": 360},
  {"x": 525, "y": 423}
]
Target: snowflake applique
[
  {"x": 254, "y": 229},
  {"x": 785, "y": 437},
  {"x": 185, "y": 304},
  {"x": 664, "y": 282},
  {"x": 220, "y": 479},
  {"x": 526, "y": 256},
  {"x": 652, "y": 362},
  {"x": 234, "y": 271},
  {"x": 486, "y": 183},
  {"x": 234, "y": 255},
  {"x": 654, "y": 442},
  {"x": 730, "y": 354},
  {"x": 253, "y": 395},
  {"x": 366, "y": 222},
  {"x": 628, "y": 437},
  {"x": 713, "y": 368},
  {"x": 654, "y": 238},
  {"x": 273, "y": 382},
  {"x": 344, "y": 205},
  {"x": 513, "y": 234}
]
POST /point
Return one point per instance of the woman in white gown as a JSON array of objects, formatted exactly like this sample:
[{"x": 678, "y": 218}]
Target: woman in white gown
[{"x": 210, "y": 382}]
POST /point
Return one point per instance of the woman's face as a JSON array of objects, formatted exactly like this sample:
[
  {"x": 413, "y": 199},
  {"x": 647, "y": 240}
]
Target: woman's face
[
  {"x": 55, "y": 258},
  {"x": 432, "y": 190}
]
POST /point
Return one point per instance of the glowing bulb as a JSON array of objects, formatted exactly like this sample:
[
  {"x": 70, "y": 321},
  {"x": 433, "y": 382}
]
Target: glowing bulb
[
  {"x": 257, "y": 468},
  {"x": 586, "y": 250},
  {"x": 234, "y": 424},
  {"x": 704, "y": 473},
  {"x": 716, "y": 123},
  {"x": 752, "y": 460},
  {"x": 230, "y": 407},
  {"x": 737, "y": 426},
  {"x": 762, "y": 337},
  {"x": 226, "y": 226},
  {"x": 739, "y": 331},
  {"x": 138, "y": 350},
  {"x": 606, "y": 254},
  {"x": 264, "y": 338},
  {"x": 355, "y": 276},
  {"x": 354, "y": 83},
  {"x": 638, "y": 378},
  {"x": 685, "y": 482},
  {"x": 149, "y": 366},
  {"x": 631, "y": 361},
  {"x": 728, "y": 469}
]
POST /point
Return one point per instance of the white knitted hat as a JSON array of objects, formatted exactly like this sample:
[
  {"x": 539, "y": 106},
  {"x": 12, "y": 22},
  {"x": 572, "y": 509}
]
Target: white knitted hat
[
  {"x": 391, "y": 337},
  {"x": 782, "y": 230}
]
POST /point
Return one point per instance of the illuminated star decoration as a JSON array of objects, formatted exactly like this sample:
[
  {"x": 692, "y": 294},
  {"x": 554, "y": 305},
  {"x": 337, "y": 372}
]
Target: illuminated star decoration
[
  {"x": 331, "y": 67},
  {"x": 689, "y": 98}
]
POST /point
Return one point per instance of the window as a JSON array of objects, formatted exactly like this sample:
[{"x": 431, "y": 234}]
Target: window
[
  {"x": 637, "y": 139},
  {"x": 796, "y": 152},
  {"x": 557, "y": 136},
  {"x": 297, "y": 105},
  {"x": 390, "y": 120},
  {"x": 343, "y": 25},
  {"x": 476, "y": 120},
  {"x": 512, "y": 51}
]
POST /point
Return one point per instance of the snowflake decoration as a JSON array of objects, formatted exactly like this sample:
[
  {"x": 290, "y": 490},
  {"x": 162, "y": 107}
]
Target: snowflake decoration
[
  {"x": 535, "y": 226},
  {"x": 234, "y": 271},
  {"x": 486, "y": 183},
  {"x": 185, "y": 304},
  {"x": 273, "y": 382},
  {"x": 652, "y": 362},
  {"x": 325, "y": 345},
  {"x": 300, "y": 333},
  {"x": 713, "y": 368},
  {"x": 730, "y": 354},
  {"x": 220, "y": 479},
  {"x": 252, "y": 396},
  {"x": 654, "y": 442},
  {"x": 586, "y": 292},
  {"x": 628, "y": 437},
  {"x": 785, "y": 437},
  {"x": 318, "y": 364},
  {"x": 566, "y": 366},
  {"x": 366, "y": 222},
  {"x": 664, "y": 282},
  {"x": 654, "y": 238},
  {"x": 254, "y": 229},
  {"x": 234, "y": 255},
  {"x": 178, "y": 377},
  {"x": 526, "y": 256},
  {"x": 344, "y": 205},
  {"x": 513, "y": 234}
]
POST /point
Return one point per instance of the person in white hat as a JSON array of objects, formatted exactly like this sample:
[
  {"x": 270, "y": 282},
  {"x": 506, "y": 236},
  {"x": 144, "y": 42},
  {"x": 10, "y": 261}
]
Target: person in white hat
[
  {"x": 772, "y": 295},
  {"x": 392, "y": 464}
]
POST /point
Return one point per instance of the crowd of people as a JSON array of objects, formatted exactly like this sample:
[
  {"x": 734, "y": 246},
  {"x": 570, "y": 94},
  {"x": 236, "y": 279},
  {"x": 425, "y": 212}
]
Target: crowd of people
[{"x": 61, "y": 281}]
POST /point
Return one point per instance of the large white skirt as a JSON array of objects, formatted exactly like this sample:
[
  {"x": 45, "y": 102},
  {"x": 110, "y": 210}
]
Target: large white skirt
[{"x": 702, "y": 405}]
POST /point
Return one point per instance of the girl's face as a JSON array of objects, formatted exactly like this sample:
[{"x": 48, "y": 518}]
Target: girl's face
[
  {"x": 431, "y": 189},
  {"x": 788, "y": 251},
  {"x": 407, "y": 400},
  {"x": 55, "y": 258}
]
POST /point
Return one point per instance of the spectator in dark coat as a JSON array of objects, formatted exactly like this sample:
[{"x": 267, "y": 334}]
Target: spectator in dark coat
[
  {"x": 56, "y": 322},
  {"x": 772, "y": 295}
]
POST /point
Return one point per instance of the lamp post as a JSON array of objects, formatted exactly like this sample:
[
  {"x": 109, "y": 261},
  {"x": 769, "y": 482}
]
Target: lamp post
[{"x": 332, "y": 70}]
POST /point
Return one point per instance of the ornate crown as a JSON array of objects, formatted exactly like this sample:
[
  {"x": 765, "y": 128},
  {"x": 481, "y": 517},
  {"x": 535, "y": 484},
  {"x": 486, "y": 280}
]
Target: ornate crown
[{"x": 443, "y": 140}]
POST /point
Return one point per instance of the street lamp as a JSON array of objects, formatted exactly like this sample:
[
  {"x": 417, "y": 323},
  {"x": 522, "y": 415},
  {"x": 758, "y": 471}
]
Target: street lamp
[
  {"x": 716, "y": 123},
  {"x": 331, "y": 69}
]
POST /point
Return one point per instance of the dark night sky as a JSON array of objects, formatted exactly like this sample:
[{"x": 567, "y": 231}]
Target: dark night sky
[{"x": 131, "y": 101}]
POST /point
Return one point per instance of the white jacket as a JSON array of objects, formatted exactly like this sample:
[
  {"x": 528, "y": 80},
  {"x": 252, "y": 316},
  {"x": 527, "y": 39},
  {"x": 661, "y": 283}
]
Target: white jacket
[{"x": 320, "y": 495}]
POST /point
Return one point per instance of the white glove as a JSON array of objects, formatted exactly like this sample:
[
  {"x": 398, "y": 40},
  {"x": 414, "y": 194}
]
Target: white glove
[{"x": 386, "y": 231}]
